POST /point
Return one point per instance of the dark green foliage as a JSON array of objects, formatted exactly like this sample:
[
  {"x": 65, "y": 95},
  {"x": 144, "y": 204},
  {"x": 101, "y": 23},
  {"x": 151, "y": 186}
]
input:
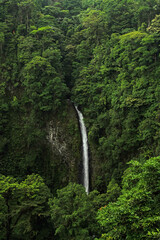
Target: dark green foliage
[
  {"x": 73, "y": 213},
  {"x": 23, "y": 207},
  {"x": 32, "y": 85},
  {"x": 104, "y": 56},
  {"x": 118, "y": 91},
  {"x": 135, "y": 215}
]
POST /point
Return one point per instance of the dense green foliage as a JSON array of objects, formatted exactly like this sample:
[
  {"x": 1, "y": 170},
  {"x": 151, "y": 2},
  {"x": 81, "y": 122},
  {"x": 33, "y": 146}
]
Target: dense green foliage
[
  {"x": 136, "y": 213},
  {"x": 104, "y": 56},
  {"x": 23, "y": 207},
  {"x": 32, "y": 88},
  {"x": 29, "y": 211},
  {"x": 118, "y": 89},
  {"x": 74, "y": 213}
]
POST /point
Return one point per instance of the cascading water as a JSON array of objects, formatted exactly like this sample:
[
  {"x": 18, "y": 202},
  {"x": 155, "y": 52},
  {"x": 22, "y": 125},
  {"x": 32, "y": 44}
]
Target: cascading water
[{"x": 85, "y": 151}]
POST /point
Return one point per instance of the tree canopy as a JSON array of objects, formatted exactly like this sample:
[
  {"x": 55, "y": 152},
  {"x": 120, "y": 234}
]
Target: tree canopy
[{"x": 103, "y": 56}]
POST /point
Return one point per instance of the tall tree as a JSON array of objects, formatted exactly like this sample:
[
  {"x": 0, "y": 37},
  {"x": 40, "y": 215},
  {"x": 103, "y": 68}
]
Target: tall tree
[
  {"x": 24, "y": 206},
  {"x": 135, "y": 215}
]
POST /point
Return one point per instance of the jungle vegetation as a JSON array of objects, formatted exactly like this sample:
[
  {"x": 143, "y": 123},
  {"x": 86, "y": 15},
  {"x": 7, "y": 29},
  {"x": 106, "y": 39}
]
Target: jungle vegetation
[{"x": 103, "y": 55}]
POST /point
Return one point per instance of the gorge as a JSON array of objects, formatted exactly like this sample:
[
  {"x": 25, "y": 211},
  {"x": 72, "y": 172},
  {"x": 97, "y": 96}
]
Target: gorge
[{"x": 104, "y": 56}]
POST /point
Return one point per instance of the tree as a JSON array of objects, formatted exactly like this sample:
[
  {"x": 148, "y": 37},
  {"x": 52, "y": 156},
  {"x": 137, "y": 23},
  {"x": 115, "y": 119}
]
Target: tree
[
  {"x": 73, "y": 213},
  {"x": 25, "y": 213},
  {"x": 155, "y": 25},
  {"x": 118, "y": 22},
  {"x": 136, "y": 213},
  {"x": 44, "y": 88}
]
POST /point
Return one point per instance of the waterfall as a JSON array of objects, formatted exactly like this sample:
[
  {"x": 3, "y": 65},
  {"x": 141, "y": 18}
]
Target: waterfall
[{"x": 85, "y": 151}]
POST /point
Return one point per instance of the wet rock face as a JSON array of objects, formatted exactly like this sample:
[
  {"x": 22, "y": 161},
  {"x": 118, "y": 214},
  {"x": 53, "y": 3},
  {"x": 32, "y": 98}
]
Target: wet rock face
[
  {"x": 64, "y": 141},
  {"x": 55, "y": 137}
]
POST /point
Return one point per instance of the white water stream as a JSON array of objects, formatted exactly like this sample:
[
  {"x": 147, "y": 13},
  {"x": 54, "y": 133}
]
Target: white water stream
[{"x": 85, "y": 151}]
